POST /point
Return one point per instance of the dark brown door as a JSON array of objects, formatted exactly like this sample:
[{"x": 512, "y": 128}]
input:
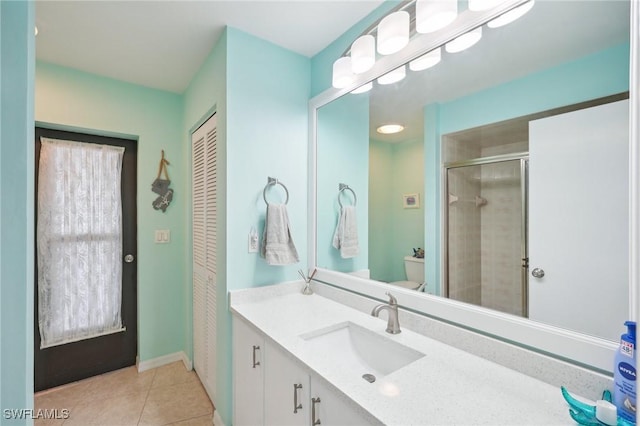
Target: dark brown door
[{"x": 69, "y": 362}]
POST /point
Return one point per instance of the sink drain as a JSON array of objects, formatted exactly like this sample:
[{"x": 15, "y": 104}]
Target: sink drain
[{"x": 369, "y": 378}]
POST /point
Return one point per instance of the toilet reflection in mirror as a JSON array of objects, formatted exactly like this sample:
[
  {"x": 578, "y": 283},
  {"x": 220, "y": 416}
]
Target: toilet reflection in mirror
[{"x": 414, "y": 268}]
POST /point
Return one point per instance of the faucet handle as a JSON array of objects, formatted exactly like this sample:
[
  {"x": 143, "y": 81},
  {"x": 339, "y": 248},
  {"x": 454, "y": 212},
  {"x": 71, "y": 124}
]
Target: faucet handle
[{"x": 392, "y": 300}]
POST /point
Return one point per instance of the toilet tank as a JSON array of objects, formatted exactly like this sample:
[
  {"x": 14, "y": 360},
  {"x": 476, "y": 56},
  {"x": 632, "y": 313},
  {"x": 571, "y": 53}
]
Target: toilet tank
[{"x": 414, "y": 268}]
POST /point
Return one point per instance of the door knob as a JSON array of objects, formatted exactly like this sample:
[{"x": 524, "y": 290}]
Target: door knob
[
  {"x": 537, "y": 273},
  {"x": 129, "y": 258}
]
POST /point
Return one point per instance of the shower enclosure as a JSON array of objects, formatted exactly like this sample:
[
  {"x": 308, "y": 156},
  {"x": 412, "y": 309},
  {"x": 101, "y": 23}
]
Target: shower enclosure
[{"x": 486, "y": 232}]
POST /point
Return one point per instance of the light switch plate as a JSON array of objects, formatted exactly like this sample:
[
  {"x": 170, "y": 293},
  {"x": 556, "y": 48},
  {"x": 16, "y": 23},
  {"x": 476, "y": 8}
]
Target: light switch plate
[{"x": 163, "y": 236}]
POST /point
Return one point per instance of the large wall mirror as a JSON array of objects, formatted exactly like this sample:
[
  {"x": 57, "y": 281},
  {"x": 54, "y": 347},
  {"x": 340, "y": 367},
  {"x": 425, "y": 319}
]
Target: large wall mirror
[{"x": 506, "y": 195}]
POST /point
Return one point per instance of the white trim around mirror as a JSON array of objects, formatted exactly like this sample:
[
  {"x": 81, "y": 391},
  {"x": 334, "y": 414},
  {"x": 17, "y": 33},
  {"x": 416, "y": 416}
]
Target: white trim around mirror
[{"x": 577, "y": 348}]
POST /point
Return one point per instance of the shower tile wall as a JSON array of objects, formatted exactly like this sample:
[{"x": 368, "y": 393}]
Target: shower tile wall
[
  {"x": 501, "y": 237},
  {"x": 484, "y": 242},
  {"x": 501, "y": 226},
  {"x": 464, "y": 227}
]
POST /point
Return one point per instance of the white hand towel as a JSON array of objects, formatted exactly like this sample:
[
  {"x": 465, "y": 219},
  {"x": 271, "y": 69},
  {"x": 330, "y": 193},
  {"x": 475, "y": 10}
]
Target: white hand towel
[
  {"x": 345, "y": 238},
  {"x": 277, "y": 246}
]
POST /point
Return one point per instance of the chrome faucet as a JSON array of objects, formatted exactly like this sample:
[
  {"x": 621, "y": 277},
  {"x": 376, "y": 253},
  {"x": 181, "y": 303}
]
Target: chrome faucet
[{"x": 393, "y": 325}]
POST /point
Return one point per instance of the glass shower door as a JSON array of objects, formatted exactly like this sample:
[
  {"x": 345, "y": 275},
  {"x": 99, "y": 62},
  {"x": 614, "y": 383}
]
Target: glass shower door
[{"x": 486, "y": 258}]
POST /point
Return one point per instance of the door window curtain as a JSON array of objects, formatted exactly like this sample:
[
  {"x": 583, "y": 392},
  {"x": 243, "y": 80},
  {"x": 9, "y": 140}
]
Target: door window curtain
[{"x": 79, "y": 241}]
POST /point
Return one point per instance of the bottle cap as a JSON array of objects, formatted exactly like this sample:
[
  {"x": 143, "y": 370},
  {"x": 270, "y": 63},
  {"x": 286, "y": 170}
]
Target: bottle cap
[
  {"x": 606, "y": 412},
  {"x": 631, "y": 330}
]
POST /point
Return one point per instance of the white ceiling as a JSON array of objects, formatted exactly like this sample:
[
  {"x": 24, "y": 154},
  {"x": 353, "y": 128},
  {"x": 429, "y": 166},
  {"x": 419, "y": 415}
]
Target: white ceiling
[{"x": 162, "y": 44}]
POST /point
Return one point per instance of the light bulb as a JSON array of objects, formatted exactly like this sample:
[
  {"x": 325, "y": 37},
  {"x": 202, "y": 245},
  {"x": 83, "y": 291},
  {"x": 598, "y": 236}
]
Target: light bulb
[
  {"x": 363, "y": 54},
  {"x": 464, "y": 41},
  {"x": 362, "y": 89},
  {"x": 510, "y": 16},
  {"x": 432, "y": 15},
  {"x": 393, "y": 76},
  {"x": 342, "y": 73},
  {"x": 426, "y": 61},
  {"x": 393, "y": 32},
  {"x": 477, "y": 5}
]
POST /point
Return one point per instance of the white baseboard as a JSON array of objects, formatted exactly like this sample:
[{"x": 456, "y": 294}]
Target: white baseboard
[
  {"x": 217, "y": 420},
  {"x": 164, "y": 360}
]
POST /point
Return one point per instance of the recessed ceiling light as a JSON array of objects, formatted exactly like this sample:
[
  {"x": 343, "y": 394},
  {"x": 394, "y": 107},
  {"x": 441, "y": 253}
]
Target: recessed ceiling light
[{"x": 389, "y": 129}]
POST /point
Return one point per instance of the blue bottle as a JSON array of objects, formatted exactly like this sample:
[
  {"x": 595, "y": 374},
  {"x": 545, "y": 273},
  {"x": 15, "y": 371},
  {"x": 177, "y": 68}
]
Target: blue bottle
[{"x": 624, "y": 375}]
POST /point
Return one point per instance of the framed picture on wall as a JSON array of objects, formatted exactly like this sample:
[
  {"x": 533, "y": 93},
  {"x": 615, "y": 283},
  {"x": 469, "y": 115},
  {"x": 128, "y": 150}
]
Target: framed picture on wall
[{"x": 411, "y": 201}]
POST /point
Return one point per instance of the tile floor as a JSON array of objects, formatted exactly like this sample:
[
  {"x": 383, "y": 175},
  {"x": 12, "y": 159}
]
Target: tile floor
[{"x": 167, "y": 395}]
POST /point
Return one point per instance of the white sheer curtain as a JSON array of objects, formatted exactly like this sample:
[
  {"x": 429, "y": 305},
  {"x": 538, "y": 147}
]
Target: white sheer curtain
[{"x": 79, "y": 241}]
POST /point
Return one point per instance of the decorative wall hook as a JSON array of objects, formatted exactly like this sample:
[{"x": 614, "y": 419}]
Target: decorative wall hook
[{"x": 161, "y": 186}]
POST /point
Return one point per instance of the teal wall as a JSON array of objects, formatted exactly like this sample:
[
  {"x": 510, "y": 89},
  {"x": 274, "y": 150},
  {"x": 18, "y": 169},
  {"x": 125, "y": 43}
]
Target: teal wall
[
  {"x": 597, "y": 75},
  {"x": 76, "y": 100},
  {"x": 17, "y": 52},
  {"x": 260, "y": 94},
  {"x": 379, "y": 209},
  {"x": 395, "y": 169},
  {"x": 342, "y": 157}
]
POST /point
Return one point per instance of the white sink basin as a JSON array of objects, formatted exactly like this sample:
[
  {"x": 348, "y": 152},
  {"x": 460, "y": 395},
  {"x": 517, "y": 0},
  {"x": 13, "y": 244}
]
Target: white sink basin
[{"x": 356, "y": 349}]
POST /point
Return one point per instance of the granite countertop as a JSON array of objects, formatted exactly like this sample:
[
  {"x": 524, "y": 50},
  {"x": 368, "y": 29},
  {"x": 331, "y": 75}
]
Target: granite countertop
[{"x": 446, "y": 386}]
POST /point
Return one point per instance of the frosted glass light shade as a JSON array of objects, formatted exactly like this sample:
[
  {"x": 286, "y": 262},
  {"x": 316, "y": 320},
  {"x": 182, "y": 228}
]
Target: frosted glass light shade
[
  {"x": 432, "y": 15},
  {"x": 363, "y": 54},
  {"x": 464, "y": 41},
  {"x": 362, "y": 89},
  {"x": 510, "y": 16},
  {"x": 426, "y": 61},
  {"x": 342, "y": 73},
  {"x": 393, "y": 76},
  {"x": 393, "y": 32},
  {"x": 477, "y": 5}
]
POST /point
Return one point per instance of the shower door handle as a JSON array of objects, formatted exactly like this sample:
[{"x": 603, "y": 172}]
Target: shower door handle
[{"x": 537, "y": 272}]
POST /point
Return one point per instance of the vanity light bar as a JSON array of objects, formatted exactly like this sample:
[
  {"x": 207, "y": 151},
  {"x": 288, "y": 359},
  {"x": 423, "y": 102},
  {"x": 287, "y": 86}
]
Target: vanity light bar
[{"x": 394, "y": 33}]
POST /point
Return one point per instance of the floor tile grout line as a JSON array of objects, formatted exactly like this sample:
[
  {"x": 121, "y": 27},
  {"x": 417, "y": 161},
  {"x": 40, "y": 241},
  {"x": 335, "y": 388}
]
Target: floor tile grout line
[{"x": 146, "y": 398}]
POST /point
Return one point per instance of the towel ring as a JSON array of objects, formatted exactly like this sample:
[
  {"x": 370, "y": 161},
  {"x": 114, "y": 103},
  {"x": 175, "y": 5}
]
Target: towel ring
[
  {"x": 344, "y": 186},
  {"x": 272, "y": 182}
]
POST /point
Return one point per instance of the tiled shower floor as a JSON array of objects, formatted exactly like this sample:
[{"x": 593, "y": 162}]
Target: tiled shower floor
[{"x": 167, "y": 395}]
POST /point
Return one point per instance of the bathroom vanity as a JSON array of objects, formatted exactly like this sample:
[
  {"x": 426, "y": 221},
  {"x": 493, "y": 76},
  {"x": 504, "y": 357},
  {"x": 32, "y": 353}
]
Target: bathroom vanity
[{"x": 301, "y": 359}]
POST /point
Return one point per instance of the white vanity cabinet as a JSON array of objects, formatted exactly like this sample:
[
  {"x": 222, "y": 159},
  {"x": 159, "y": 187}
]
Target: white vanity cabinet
[
  {"x": 331, "y": 410},
  {"x": 279, "y": 391},
  {"x": 286, "y": 397},
  {"x": 248, "y": 375}
]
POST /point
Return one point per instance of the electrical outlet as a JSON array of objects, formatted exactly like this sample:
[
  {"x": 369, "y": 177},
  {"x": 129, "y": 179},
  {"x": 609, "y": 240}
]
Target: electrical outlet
[{"x": 253, "y": 241}]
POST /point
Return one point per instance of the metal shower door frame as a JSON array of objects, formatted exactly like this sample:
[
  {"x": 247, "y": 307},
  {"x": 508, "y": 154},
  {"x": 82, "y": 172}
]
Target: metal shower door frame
[{"x": 523, "y": 157}]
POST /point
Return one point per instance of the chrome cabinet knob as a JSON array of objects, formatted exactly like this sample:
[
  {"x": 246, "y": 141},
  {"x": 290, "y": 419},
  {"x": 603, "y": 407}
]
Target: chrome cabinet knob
[
  {"x": 129, "y": 258},
  {"x": 537, "y": 273}
]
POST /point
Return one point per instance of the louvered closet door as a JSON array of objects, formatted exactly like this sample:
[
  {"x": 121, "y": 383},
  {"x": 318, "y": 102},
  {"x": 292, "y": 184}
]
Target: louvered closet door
[{"x": 204, "y": 164}]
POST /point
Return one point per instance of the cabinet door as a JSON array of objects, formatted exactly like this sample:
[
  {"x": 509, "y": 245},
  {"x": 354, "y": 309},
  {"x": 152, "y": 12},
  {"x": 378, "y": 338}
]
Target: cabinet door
[
  {"x": 330, "y": 409},
  {"x": 286, "y": 397},
  {"x": 248, "y": 378}
]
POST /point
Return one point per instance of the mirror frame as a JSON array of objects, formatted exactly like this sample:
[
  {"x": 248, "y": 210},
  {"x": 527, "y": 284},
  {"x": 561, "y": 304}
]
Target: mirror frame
[{"x": 578, "y": 348}]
